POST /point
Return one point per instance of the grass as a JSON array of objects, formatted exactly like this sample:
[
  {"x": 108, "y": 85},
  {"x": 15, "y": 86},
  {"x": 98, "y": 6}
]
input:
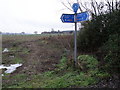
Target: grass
[
  {"x": 63, "y": 76},
  {"x": 12, "y": 60},
  {"x": 20, "y": 49},
  {"x": 59, "y": 78},
  {"x": 15, "y": 52},
  {"x": 16, "y": 80},
  {"x": 52, "y": 80},
  {"x": 87, "y": 63},
  {"x": 17, "y": 60}
]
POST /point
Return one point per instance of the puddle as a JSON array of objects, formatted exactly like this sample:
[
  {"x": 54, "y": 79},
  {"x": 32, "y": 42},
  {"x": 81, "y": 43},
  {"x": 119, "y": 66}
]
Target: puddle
[
  {"x": 5, "y": 50},
  {"x": 10, "y": 68}
]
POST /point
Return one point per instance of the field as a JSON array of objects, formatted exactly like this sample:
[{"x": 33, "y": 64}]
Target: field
[
  {"x": 37, "y": 53},
  {"x": 47, "y": 62}
]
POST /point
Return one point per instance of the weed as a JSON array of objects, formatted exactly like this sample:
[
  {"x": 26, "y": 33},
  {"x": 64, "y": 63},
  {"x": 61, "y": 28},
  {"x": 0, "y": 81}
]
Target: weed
[
  {"x": 62, "y": 64},
  {"x": 51, "y": 79},
  {"x": 87, "y": 63},
  {"x": 16, "y": 80},
  {"x": 17, "y": 60},
  {"x": 68, "y": 78},
  {"x": 103, "y": 75}
]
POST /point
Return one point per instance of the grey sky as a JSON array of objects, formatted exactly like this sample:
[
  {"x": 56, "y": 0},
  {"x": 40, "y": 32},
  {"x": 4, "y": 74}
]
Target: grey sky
[{"x": 32, "y": 15}]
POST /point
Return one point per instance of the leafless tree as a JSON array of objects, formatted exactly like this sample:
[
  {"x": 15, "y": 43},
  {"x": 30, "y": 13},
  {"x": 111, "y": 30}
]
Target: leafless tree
[
  {"x": 22, "y": 33},
  {"x": 35, "y": 32},
  {"x": 95, "y": 7}
]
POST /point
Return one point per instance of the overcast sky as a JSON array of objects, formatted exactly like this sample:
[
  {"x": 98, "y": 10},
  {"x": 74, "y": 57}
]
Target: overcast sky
[{"x": 32, "y": 15}]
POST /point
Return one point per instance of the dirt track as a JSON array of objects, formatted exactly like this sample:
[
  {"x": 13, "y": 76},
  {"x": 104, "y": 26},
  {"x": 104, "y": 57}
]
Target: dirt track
[{"x": 42, "y": 57}]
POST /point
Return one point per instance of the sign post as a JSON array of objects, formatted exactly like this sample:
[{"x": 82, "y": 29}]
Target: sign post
[
  {"x": 75, "y": 42},
  {"x": 75, "y": 8},
  {"x": 74, "y": 18}
]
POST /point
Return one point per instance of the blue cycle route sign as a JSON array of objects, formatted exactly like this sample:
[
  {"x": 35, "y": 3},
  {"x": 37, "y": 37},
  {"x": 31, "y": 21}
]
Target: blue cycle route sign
[
  {"x": 67, "y": 18},
  {"x": 84, "y": 16},
  {"x": 74, "y": 18}
]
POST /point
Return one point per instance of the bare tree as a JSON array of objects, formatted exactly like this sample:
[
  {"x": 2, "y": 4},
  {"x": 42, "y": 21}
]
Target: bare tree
[
  {"x": 35, "y": 32},
  {"x": 95, "y": 7},
  {"x": 22, "y": 33}
]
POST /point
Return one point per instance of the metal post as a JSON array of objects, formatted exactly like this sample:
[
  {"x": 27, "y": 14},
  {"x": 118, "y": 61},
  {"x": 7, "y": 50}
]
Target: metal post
[{"x": 75, "y": 42}]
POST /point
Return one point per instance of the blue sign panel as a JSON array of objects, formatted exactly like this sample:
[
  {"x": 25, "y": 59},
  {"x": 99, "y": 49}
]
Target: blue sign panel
[
  {"x": 82, "y": 16},
  {"x": 67, "y": 18},
  {"x": 75, "y": 7}
]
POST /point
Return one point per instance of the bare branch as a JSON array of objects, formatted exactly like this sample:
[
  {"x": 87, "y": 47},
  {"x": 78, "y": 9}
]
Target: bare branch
[
  {"x": 97, "y": 6},
  {"x": 109, "y": 5},
  {"x": 93, "y": 6},
  {"x": 84, "y": 7},
  {"x": 116, "y": 5},
  {"x": 66, "y": 6},
  {"x": 81, "y": 4},
  {"x": 69, "y": 4},
  {"x": 112, "y": 5}
]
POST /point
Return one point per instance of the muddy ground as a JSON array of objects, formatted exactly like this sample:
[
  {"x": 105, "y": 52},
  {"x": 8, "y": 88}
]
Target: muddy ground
[
  {"x": 38, "y": 54},
  {"x": 42, "y": 53}
]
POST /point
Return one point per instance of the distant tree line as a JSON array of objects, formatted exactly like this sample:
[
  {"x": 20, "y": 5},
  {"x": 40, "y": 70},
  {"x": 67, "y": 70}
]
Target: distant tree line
[{"x": 59, "y": 32}]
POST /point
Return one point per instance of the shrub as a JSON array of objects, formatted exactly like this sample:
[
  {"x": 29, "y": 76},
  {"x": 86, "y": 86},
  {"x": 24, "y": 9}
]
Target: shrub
[
  {"x": 111, "y": 49},
  {"x": 97, "y": 31},
  {"x": 87, "y": 63}
]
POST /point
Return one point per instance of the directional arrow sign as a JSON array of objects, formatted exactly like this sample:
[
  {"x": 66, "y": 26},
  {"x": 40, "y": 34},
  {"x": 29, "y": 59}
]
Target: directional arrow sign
[
  {"x": 82, "y": 16},
  {"x": 67, "y": 18}
]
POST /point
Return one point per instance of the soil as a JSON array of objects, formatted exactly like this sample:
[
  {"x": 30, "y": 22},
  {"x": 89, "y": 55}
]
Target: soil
[
  {"x": 112, "y": 82},
  {"x": 43, "y": 55}
]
